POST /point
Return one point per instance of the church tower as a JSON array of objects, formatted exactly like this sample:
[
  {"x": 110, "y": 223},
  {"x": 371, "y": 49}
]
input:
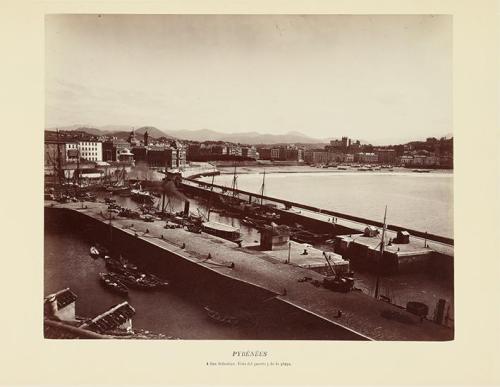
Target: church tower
[{"x": 131, "y": 138}]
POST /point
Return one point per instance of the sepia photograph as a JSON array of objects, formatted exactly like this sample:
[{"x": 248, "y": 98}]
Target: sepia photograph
[{"x": 248, "y": 177}]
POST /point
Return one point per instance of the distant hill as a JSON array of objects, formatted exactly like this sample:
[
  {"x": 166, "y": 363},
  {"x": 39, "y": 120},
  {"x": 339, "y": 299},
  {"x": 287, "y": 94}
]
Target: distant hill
[
  {"x": 243, "y": 138},
  {"x": 121, "y": 131},
  {"x": 152, "y": 131},
  {"x": 254, "y": 138}
]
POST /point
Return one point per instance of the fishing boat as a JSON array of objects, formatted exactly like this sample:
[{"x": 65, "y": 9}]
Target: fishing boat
[
  {"x": 222, "y": 230},
  {"x": 159, "y": 282},
  {"x": 248, "y": 222},
  {"x": 94, "y": 252},
  {"x": 342, "y": 168},
  {"x": 115, "y": 266},
  {"x": 304, "y": 236},
  {"x": 421, "y": 170},
  {"x": 88, "y": 196},
  {"x": 221, "y": 318},
  {"x": 147, "y": 218},
  {"x": 141, "y": 196},
  {"x": 120, "y": 190},
  {"x": 137, "y": 282},
  {"x": 113, "y": 283}
]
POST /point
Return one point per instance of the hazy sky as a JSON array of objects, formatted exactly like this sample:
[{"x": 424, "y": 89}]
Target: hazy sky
[{"x": 370, "y": 77}]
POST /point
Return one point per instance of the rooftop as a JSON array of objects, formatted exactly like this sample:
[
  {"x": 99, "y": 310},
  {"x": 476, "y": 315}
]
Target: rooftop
[
  {"x": 63, "y": 297},
  {"x": 111, "y": 319}
]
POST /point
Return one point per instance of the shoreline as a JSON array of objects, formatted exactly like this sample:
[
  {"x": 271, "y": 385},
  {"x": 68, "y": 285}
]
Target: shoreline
[{"x": 278, "y": 169}]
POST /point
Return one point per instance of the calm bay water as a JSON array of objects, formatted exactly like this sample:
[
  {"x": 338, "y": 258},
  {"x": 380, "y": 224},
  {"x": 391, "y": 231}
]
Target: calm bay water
[{"x": 421, "y": 201}]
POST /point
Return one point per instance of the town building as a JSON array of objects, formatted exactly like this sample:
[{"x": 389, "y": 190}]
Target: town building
[
  {"x": 249, "y": 152},
  {"x": 419, "y": 160},
  {"x": 133, "y": 140},
  {"x": 234, "y": 150},
  {"x": 368, "y": 158},
  {"x": 348, "y": 158},
  {"x": 294, "y": 154},
  {"x": 170, "y": 156},
  {"x": 316, "y": 156},
  {"x": 339, "y": 146},
  {"x": 111, "y": 149},
  {"x": 86, "y": 150},
  {"x": 405, "y": 160},
  {"x": 386, "y": 156},
  {"x": 266, "y": 153}
]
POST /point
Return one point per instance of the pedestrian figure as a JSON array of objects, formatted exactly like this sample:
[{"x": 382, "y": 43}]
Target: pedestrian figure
[{"x": 183, "y": 246}]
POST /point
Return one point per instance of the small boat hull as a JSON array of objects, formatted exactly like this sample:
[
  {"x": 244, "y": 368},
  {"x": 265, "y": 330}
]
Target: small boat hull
[{"x": 220, "y": 318}]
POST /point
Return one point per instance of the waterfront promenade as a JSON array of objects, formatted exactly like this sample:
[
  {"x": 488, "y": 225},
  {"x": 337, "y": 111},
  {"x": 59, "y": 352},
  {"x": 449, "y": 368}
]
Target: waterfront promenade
[{"x": 358, "y": 313}]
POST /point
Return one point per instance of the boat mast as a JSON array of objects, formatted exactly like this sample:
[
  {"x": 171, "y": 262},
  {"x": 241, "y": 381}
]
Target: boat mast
[
  {"x": 60, "y": 172},
  {"x": 110, "y": 232},
  {"x": 210, "y": 197},
  {"x": 235, "y": 177},
  {"x": 77, "y": 180},
  {"x": 262, "y": 188},
  {"x": 382, "y": 245}
]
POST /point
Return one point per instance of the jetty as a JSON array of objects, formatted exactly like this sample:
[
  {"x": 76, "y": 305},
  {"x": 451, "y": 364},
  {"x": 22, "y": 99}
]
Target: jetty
[{"x": 423, "y": 248}]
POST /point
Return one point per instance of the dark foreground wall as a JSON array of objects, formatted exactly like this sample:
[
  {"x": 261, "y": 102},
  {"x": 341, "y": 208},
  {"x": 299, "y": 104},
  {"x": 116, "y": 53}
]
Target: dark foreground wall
[{"x": 205, "y": 286}]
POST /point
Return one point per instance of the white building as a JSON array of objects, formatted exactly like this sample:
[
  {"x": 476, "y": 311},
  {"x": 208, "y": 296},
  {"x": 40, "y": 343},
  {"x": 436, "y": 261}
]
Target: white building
[{"x": 89, "y": 150}]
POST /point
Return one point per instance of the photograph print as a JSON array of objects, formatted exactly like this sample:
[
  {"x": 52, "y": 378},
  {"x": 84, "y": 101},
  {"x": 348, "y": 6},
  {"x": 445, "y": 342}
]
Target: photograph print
[{"x": 248, "y": 177}]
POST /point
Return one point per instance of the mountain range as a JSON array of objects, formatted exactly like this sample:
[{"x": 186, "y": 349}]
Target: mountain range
[
  {"x": 253, "y": 138},
  {"x": 122, "y": 131}
]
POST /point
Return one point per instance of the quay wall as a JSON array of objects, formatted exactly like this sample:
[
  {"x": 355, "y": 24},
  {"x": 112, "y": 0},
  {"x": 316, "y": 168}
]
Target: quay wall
[
  {"x": 202, "y": 284},
  {"x": 315, "y": 225}
]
